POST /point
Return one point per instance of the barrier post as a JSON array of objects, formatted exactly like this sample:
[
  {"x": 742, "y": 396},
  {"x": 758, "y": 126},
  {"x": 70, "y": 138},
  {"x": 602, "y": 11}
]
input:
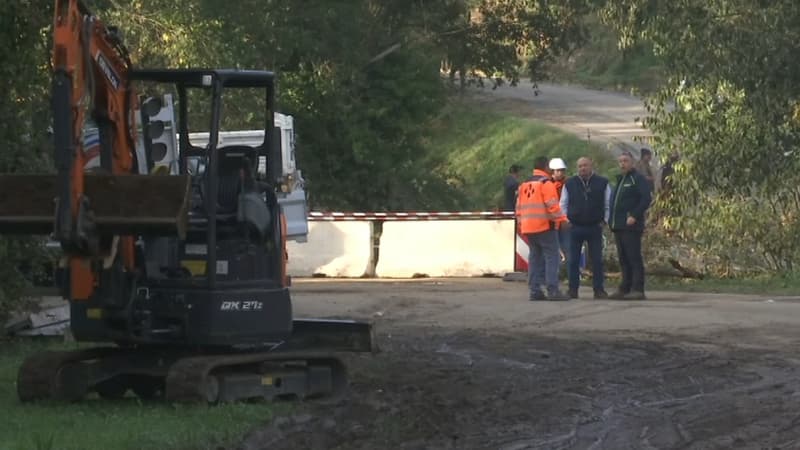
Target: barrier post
[{"x": 521, "y": 251}]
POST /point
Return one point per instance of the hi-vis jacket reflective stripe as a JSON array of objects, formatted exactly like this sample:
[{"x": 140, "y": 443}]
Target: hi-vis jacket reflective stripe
[{"x": 538, "y": 208}]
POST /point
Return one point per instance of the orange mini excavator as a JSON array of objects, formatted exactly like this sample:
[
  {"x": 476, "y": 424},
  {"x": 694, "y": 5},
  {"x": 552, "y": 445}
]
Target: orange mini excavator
[{"x": 180, "y": 272}]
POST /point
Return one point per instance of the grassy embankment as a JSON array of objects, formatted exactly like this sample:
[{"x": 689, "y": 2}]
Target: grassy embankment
[{"x": 476, "y": 145}]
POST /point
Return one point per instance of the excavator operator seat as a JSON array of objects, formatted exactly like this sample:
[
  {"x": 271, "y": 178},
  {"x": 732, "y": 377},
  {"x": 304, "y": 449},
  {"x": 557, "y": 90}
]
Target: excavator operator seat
[
  {"x": 236, "y": 168},
  {"x": 240, "y": 196}
]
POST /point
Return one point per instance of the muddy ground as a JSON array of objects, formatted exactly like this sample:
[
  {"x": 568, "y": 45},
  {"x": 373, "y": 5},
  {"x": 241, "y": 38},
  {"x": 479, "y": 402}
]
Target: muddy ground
[{"x": 471, "y": 364}]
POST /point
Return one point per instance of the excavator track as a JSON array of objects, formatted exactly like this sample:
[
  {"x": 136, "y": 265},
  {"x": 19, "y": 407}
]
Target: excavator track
[
  {"x": 226, "y": 378},
  {"x": 186, "y": 374},
  {"x": 56, "y": 374},
  {"x": 111, "y": 372}
]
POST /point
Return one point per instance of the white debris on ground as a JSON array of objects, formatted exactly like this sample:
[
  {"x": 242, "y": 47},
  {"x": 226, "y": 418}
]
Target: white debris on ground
[{"x": 51, "y": 319}]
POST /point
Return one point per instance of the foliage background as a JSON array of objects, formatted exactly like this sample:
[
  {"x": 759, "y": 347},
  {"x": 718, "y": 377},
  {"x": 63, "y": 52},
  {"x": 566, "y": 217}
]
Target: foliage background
[
  {"x": 372, "y": 83},
  {"x": 729, "y": 106},
  {"x": 366, "y": 81}
]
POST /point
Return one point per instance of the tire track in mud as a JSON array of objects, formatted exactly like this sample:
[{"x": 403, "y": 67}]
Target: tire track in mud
[
  {"x": 399, "y": 308},
  {"x": 477, "y": 389}
]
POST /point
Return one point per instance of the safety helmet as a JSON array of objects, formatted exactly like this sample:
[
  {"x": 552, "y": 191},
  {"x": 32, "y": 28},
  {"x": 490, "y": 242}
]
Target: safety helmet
[{"x": 557, "y": 163}]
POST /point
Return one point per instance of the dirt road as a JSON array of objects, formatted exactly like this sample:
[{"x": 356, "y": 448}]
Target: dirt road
[
  {"x": 471, "y": 364},
  {"x": 604, "y": 116}
]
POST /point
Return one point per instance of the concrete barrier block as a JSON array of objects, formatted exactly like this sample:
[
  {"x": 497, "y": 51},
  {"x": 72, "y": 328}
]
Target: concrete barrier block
[
  {"x": 336, "y": 249},
  {"x": 452, "y": 248}
]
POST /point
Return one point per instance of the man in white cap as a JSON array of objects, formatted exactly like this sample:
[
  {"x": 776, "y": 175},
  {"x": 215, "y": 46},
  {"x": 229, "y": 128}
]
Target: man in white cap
[{"x": 558, "y": 170}]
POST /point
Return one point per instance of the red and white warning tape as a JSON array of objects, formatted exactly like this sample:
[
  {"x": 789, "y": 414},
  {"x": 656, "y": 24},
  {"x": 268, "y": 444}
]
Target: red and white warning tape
[{"x": 396, "y": 216}]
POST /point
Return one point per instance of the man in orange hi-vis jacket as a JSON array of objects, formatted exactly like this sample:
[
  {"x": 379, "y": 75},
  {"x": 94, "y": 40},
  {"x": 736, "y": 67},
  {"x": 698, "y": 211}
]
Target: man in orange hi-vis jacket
[{"x": 538, "y": 216}]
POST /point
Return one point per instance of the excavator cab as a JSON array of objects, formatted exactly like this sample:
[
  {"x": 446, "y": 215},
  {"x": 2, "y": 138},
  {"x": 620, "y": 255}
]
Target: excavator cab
[
  {"x": 229, "y": 252},
  {"x": 205, "y": 242}
]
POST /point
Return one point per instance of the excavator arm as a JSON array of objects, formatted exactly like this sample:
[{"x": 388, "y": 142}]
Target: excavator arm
[
  {"x": 90, "y": 77},
  {"x": 97, "y": 203}
]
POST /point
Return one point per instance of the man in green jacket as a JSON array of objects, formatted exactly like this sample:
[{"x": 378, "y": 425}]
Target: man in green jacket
[{"x": 629, "y": 201}]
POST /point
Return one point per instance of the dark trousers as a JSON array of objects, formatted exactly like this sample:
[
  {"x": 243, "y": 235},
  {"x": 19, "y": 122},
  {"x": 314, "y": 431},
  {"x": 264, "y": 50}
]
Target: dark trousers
[
  {"x": 593, "y": 236},
  {"x": 629, "y": 250}
]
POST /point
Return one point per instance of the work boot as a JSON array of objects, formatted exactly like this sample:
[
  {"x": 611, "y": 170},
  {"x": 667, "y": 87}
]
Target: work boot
[
  {"x": 634, "y": 295},
  {"x": 573, "y": 293},
  {"x": 600, "y": 294},
  {"x": 618, "y": 295},
  {"x": 537, "y": 296},
  {"x": 557, "y": 296}
]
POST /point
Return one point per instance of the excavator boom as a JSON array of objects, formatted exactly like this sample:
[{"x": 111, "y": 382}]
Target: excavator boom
[{"x": 96, "y": 191}]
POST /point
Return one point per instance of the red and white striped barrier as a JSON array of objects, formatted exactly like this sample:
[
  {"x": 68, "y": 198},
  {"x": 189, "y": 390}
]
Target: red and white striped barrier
[
  {"x": 396, "y": 216},
  {"x": 521, "y": 250}
]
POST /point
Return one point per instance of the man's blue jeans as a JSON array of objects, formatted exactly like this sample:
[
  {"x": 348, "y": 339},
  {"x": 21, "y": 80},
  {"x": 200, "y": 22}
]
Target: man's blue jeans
[
  {"x": 543, "y": 261},
  {"x": 592, "y": 235}
]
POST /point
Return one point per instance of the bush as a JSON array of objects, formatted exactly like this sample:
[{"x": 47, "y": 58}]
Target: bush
[{"x": 25, "y": 263}]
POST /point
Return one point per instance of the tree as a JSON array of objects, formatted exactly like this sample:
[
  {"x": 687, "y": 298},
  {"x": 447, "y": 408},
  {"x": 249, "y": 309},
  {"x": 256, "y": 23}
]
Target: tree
[
  {"x": 24, "y": 76},
  {"x": 363, "y": 79},
  {"x": 730, "y": 107},
  {"x": 504, "y": 39}
]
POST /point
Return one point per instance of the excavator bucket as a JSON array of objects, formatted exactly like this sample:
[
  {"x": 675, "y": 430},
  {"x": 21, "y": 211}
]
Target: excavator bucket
[{"x": 120, "y": 204}]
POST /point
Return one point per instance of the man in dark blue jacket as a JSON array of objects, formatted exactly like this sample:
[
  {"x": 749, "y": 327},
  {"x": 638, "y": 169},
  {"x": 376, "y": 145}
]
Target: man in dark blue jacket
[
  {"x": 629, "y": 202},
  {"x": 585, "y": 200}
]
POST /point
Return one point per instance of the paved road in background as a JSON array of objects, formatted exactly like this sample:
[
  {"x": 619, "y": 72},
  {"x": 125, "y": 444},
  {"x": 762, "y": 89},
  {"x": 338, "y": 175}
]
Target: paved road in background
[{"x": 609, "y": 117}]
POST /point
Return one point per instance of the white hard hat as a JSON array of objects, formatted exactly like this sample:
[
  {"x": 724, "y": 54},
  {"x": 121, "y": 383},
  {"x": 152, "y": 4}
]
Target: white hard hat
[{"x": 557, "y": 163}]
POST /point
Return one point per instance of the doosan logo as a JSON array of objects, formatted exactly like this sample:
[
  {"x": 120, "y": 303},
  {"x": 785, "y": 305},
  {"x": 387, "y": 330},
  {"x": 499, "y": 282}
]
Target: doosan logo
[{"x": 107, "y": 70}]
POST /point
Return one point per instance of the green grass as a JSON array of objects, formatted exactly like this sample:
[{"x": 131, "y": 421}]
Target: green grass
[
  {"x": 475, "y": 146},
  {"x": 119, "y": 424},
  {"x": 764, "y": 285}
]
